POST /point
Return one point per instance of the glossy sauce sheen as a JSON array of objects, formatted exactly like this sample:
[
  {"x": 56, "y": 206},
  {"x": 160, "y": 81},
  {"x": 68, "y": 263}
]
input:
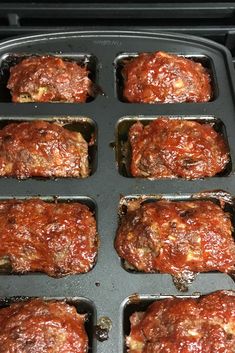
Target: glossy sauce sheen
[
  {"x": 38, "y": 326},
  {"x": 42, "y": 149},
  {"x": 164, "y": 78},
  {"x": 173, "y": 237},
  {"x": 170, "y": 148},
  {"x": 47, "y": 79},
  {"x": 55, "y": 238},
  {"x": 204, "y": 325}
]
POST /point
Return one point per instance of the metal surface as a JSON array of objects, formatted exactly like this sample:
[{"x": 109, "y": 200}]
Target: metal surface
[
  {"x": 108, "y": 285},
  {"x": 212, "y": 19}
]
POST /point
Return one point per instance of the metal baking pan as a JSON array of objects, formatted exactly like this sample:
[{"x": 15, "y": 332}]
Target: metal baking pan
[{"x": 108, "y": 284}]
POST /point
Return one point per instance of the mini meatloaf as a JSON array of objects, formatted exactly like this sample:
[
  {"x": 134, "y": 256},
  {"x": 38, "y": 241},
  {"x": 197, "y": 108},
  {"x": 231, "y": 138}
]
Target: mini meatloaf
[
  {"x": 56, "y": 238},
  {"x": 173, "y": 148},
  {"x": 42, "y": 149},
  {"x": 163, "y": 78},
  {"x": 204, "y": 325},
  {"x": 48, "y": 79},
  {"x": 175, "y": 237},
  {"x": 38, "y": 326}
]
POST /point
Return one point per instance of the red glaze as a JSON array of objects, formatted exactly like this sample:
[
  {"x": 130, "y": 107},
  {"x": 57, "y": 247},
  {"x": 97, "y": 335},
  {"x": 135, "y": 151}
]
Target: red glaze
[
  {"x": 42, "y": 149},
  {"x": 38, "y": 326},
  {"x": 47, "y": 79},
  {"x": 164, "y": 78},
  {"x": 169, "y": 148},
  {"x": 173, "y": 237},
  {"x": 55, "y": 238},
  {"x": 204, "y": 325}
]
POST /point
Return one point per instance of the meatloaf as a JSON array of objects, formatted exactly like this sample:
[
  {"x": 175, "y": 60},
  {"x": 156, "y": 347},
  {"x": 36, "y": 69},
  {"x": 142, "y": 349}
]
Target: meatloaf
[
  {"x": 38, "y": 326},
  {"x": 48, "y": 79},
  {"x": 55, "y": 238},
  {"x": 165, "y": 78},
  {"x": 171, "y": 148},
  {"x": 42, "y": 149},
  {"x": 204, "y": 325},
  {"x": 176, "y": 236}
]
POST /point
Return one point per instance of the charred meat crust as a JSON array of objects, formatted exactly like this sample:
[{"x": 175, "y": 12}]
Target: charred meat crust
[
  {"x": 170, "y": 148},
  {"x": 187, "y": 325},
  {"x": 42, "y": 149},
  {"x": 165, "y": 78},
  {"x": 55, "y": 238},
  {"x": 48, "y": 79},
  {"x": 42, "y": 326},
  {"x": 174, "y": 237}
]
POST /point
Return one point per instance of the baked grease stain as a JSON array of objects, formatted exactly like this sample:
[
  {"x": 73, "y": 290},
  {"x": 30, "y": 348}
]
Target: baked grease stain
[{"x": 104, "y": 325}]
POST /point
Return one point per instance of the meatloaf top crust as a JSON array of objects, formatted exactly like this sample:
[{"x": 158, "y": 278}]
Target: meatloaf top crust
[
  {"x": 204, "y": 325},
  {"x": 176, "y": 236},
  {"x": 42, "y": 149},
  {"x": 48, "y": 79},
  {"x": 165, "y": 78},
  {"x": 55, "y": 238},
  {"x": 171, "y": 148},
  {"x": 38, "y": 326}
]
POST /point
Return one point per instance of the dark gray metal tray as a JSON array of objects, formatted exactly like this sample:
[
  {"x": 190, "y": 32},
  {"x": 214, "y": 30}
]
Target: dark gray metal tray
[{"x": 108, "y": 285}]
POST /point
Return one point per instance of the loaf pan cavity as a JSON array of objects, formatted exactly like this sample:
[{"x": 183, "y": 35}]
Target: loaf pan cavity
[
  {"x": 221, "y": 198},
  {"x": 140, "y": 303},
  {"x": 123, "y": 147},
  {"x": 123, "y": 58},
  {"x": 83, "y": 306},
  {"x": 84, "y": 59},
  {"x": 5, "y": 263},
  {"x": 84, "y": 125}
]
